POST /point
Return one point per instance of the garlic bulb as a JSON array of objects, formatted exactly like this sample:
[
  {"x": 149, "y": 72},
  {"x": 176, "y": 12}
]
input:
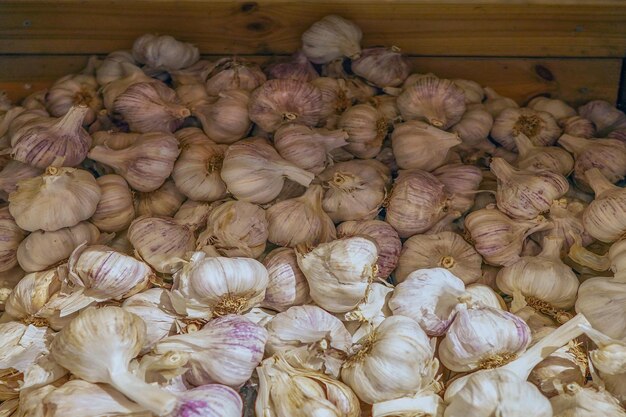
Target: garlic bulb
[
  {"x": 602, "y": 299},
  {"x": 440, "y": 250},
  {"x": 428, "y": 296},
  {"x": 10, "y": 237},
  {"x": 233, "y": 74},
  {"x": 540, "y": 127},
  {"x": 164, "y": 52},
  {"x": 578, "y": 126},
  {"x": 145, "y": 164},
  {"x": 74, "y": 90},
  {"x": 475, "y": 125},
  {"x": 366, "y": 128},
  {"x": 151, "y": 107},
  {"x": 287, "y": 286},
  {"x": 68, "y": 195},
  {"x": 307, "y": 148},
  {"x": 193, "y": 214},
  {"x": 576, "y": 401},
  {"x": 197, "y": 171},
  {"x": 161, "y": 242},
  {"x": 15, "y": 171},
  {"x": 41, "y": 250},
  {"x": 164, "y": 201},
  {"x": 355, "y": 189},
  {"x": 112, "y": 67},
  {"x": 497, "y": 237},
  {"x": 227, "y": 118},
  {"x": 609, "y": 367},
  {"x": 417, "y": 202},
  {"x": 101, "y": 353},
  {"x": 53, "y": 142},
  {"x": 296, "y": 67},
  {"x": 608, "y": 155},
  {"x": 398, "y": 347},
  {"x": 462, "y": 183},
  {"x": 116, "y": 209},
  {"x": 131, "y": 75},
  {"x": 566, "y": 218},
  {"x": 437, "y": 101},
  {"x": 280, "y": 101},
  {"x": 419, "y": 145},
  {"x": 309, "y": 337},
  {"x": 526, "y": 194},
  {"x": 217, "y": 286},
  {"x": 225, "y": 351},
  {"x": 485, "y": 295},
  {"x": 604, "y": 218},
  {"x": 211, "y": 400},
  {"x": 340, "y": 272},
  {"x": 495, "y": 103},
  {"x": 330, "y": 38},
  {"x": 383, "y": 67},
  {"x": 253, "y": 171},
  {"x": 474, "y": 93},
  {"x": 336, "y": 97},
  {"x": 604, "y": 116},
  {"x": 236, "y": 228},
  {"x": 300, "y": 220},
  {"x": 385, "y": 236},
  {"x": 285, "y": 391},
  {"x": 538, "y": 158},
  {"x": 557, "y": 108}
]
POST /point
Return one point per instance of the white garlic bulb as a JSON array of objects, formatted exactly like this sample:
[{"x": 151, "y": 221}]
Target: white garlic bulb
[
  {"x": 226, "y": 120},
  {"x": 485, "y": 295},
  {"x": 605, "y": 217},
  {"x": 330, "y": 38},
  {"x": 164, "y": 52},
  {"x": 197, "y": 171},
  {"x": 540, "y": 127},
  {"x": 382, "y": 67},
  {"x": 417, "y": 144},
  {"x": 10, "y": 238},
  {"x": 557, "y": 108},
  {"x": 74, "y": 90},
  {"x": 287, "y": 286},
  {"x": 115, "y": 210},
  {"x": 475, "y": 125},
  {"x": 366, "y": 128}
]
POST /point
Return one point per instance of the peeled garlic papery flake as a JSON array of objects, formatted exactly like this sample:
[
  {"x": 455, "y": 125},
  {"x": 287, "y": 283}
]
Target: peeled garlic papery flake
[
  {"x": 605, "y": 217},
  {"x": 538, "y": 126},
  {"x": 394, "y": 360},
  {"x": 116, "y": 209},
  {"x": 340, "y": 272},
  {"x": 574, "y": 400},
  {"x": 164, "y": 52},
  {"x": 538, "y": 158},
  {"x": 10, "y": 237},
  {"x": 287, "y": 285},
  {"x": 330, "y": 38}
]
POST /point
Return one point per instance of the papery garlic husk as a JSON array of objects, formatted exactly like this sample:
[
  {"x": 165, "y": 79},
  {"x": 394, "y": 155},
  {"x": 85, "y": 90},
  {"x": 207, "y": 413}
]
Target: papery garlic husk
[
  {"x": 497, "y": 237},
  {"x": 114, "y": 139},
  {"x": 193, "y": 214},
  {"x": 307, "y": 148},
  {"x": 211, "y": 400},
  {"x": 116, "y": 209},
  {"x": 8, "y": 281},
  {"x": 283, "y": 101},
  {"x": 11, "y": 237},
  {"x": 538, "y": 158},
  {"x": 383, "y": 67},
  {"x": 474, "y": 93},
  {"x": 417, "y": 202},
  {"x": 429, "y": 296},
  {"x": 437, "y": 101},
  {"x": 287, "y": 286},
  {"x": 495, "y": 103},
  {"x": 398, "y": 347},
  {"x": 566, "y": 217},
  {"x": 164, "y": 52},
  {"x": 330, "y": 38},
  {"x": 608, "y": 155},
  {"x": 300, "y": 220},
  {"x": 145, "y": 164},
  {"x": 74, "y": 90},
  {"x": 130, "y": 74},
  {"x": 336, "y": 98},
  {"x": 234, "y": 74},
  {"x": 370, "y": 312},
  {"x": 483, "y": 337},
  {"x": 557, "y": 108},
  {"x": 604, "y": 116},
  {"x": 386, "y": 105},
  {"x": 385, "y": 236},
  {"x": 102, "y": 353},
  {"x": 440, "y": 250},
  {"x": 426, "y": 404},
  {"x": 41, "y": 250},
  {"x": 575, "y": 400},
  {"x": 151, "y": 107},
  {"x": 197, "y": 171},
  {"x": 296, "y": 67},
  {"x": 366, "y": 128},
  {"x": 161, "y": 242},
  {"x": 164, "y": 201},
  {"x": 236, "y": 228},
  {"x": 417, "y": 144},
  {"x": 31, "y": 405},
  {"x": 578, "y": 126},
  {"x": 309, "y": 337},
  {"x": 605, "y": 217},
  {"x": 227, "y": 120},
  {"x": 475, "y": 125},
  {"x": 225, "y": 351},
  {"x": 540, "y": 127},
  {"x": 15, "y": 171},
  {"x": 253, "y": 171},
  {"x": 53, "y": 142},
  {"x": 541, "y": 279},
  {"x": 601, "y": 299},
  {"x": 526, "y": 194},
  {"x": 462, "y": 183},
  {"x": 69, "y": 196},
  {"x": 619, "y": 134},
  {"x": 111, "y": 68},
  {"x": 340, "y": 272},
  {"x": 286, "y": 391},
  {"x": 485, "y": 295}
]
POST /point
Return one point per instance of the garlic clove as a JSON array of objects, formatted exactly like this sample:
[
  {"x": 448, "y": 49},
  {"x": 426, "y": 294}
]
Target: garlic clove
[
  {"x": 330, "y": 38},
  {"x": 115, "y": 210},
  {"x": 383, "y": 67},
  {"x": 419, "y": 145},
  {"x": 540, "y": 127},
  {"x": 287, "y": 286},
  {"x": 164, "y": 52}
]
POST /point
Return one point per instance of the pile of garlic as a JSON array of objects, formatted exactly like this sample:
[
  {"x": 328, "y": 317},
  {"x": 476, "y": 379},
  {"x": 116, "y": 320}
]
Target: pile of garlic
[{"x": 329, "y": 235}]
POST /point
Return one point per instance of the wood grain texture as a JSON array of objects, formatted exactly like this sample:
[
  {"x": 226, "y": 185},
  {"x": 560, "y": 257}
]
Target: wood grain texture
[
  {"x": 574, "y": 28},
  {"x": 573, "y": 80}
]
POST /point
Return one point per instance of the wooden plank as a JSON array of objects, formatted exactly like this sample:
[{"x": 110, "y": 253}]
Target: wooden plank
[
  {"x": 575, "y": 28},
  {"x": 573, "y": 80}
]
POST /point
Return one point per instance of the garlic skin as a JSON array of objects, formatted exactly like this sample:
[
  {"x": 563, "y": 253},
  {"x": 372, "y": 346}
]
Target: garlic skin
[
  {"x": 425, "y": 403},
  {"x": 557, "y": 108},
  {"x": 211, "y": 400},
  {"x": 385, "y": 236},
  {"x": 114, "y": 66},
  {"x": 309, "y": 337},
  {"x": 439, "y": 102},
  {"x": 225, "y": 351},
  {"x": 131, "y": 75},
  {"x": 419, "y": 145},
  {"x": 608, "y": 362},
  {"x": 236, "y": 228},
  {"x": 538, "y": 158},
  {"x": 58, "y": 142},
  {"x": 11, "y": 237},
  {"x": 145, "y": 164},
  {"x": 296, "y": 67},
  {"x": 300, "y": 220},
  {"x": 69, "y": 196},
  {"x": 604, "y": 116},
  {"x": 601, "y": 299},
  {"x": 475, "y": 125},
  {"x": 164, "y": 201},
  {"x": 330, "y": 38},
  {"x": 576, "y": 401},
  {"x": 398, "y": 345},
  {"x": 193, "y": 214},
  {"x": 604, "y": 218},
  {"x": 355, "y": 190},
  {"x": 540, "y": 127},
  {"x": 197, "y": 171},
  {"x": 287, "y": 286},
  {"x": 336, "y": 98},
  {"x": 485, "y": 295},
  {"x": 233, "y": 73},
  {"x": 418, "y": 201},
  {"x": 462, "y": 182},
  {"x": 340, "y": 272},
  {"x": 366, "y": 128},
  {"x": 74, "y": 90},
  {"x": 116, "y": 209},
  {"x": 383, "y": 67},
  {"x": 13, "y": 172},
  {"x": 495, "y": 103},
  {"x": 164, "y": 52},
  {"x": 578, "y": 126},
  {"x": 474, "y": 93},
  {"x": 439, "y": 250},
  {"x": 566, "y": 217},
  {"x": 227, "y": 120},
  {"x": 161, "y": 242}
]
